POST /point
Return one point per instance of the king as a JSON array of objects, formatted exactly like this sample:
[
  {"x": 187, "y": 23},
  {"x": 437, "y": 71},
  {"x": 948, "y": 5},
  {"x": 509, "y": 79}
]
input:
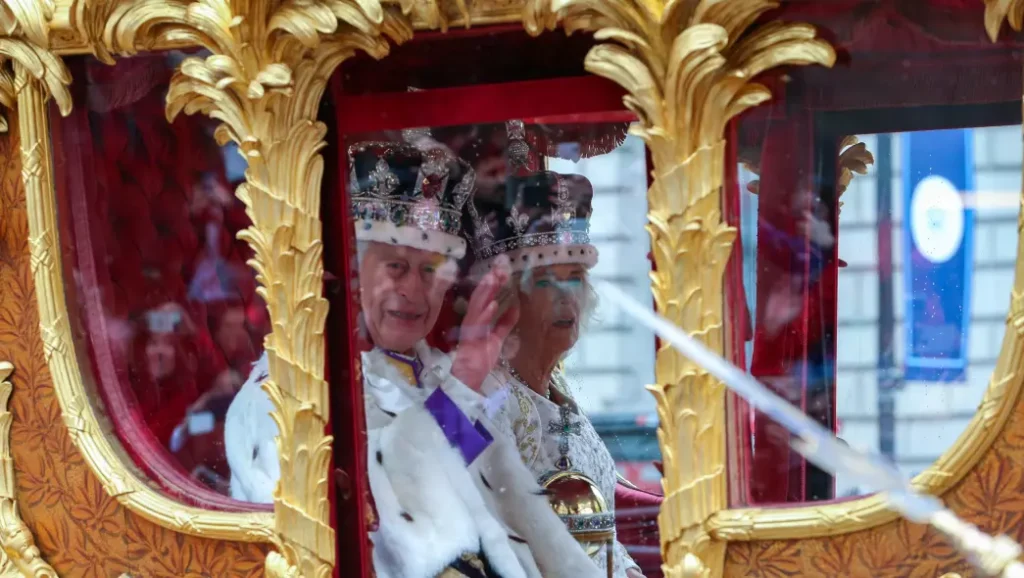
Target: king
[{"x": 452, "y": 499}]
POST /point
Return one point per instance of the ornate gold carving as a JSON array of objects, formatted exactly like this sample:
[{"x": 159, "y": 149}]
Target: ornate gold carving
[
  {"x": 688, "y": 68},
  {"x": 71, "y": 31},
  {"x": 854, "y": 158},
  {"x": 25, "y": 27},
  {"x": 435, "y": 14},
  {"x": 269, "y": 66},
  {"x": 963, "y": 455},
  {"x": 998, "y": 11},
  {"x": 20, "y": 555},
  {"x": 106, "y": 461}
]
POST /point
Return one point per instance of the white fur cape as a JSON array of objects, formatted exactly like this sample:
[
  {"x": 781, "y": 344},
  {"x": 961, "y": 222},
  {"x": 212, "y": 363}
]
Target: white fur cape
[{"x": 433, "y": 508}]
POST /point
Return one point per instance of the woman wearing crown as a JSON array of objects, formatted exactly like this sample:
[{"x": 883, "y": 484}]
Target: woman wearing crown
[
  {"x": 539, "y": 222},
  {"x": 452, "y": 499}
]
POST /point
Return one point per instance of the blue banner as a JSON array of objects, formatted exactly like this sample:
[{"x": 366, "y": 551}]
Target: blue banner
[{"x": 938, "y": 253}]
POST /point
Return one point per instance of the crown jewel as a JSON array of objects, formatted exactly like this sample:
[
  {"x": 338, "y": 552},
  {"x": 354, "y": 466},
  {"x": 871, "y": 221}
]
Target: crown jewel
[
  {"x": 541, "y": 218},
  {"x": 404, "y": 195}
]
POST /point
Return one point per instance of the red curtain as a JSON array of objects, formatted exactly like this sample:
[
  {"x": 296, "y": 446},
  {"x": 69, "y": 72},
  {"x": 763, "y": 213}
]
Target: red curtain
[{"x": 785, "y": 302}]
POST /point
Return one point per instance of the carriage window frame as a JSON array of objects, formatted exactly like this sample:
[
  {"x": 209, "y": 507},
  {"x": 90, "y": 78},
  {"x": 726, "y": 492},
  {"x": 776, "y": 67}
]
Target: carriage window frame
[{"x": 559, "y": 100}]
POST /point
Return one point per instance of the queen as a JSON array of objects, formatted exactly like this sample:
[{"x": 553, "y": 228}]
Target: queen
[{"x": 539, "y": 222}]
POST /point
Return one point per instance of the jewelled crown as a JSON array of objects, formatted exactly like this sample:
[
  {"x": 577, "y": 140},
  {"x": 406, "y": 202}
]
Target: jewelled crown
[
  {"x": 539, "y": 219},
  {"x": 402, "y": 195}
]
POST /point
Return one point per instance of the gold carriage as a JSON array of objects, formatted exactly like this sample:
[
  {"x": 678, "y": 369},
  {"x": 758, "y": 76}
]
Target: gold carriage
[{"x": 125, "y": 259}]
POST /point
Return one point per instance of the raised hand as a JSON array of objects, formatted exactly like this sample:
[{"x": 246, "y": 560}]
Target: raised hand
[{"x": 483, "y": 331}]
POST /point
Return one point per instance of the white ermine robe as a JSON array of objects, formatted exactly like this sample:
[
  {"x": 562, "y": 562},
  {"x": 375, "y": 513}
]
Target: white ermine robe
[{"x": 433, "y": 507}]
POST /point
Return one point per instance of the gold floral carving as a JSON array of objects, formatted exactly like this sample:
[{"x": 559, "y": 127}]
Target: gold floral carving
[
  {"x": 29, "y": 74},
  {"x": 268, "y": 68},
  {"x": 854, "y": 158},
  {"x": 20, "y": 554},
  {"x": 688, "y": 69},
  {"x": 71, "y": 31},
  {"x": 963, "y": 456},
  {"x": 988, "y": 496},
  {"x": 24, "y": 39}
]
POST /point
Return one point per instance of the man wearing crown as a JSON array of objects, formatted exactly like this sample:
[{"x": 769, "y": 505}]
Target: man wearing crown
[{"x": 452, "y": 500}]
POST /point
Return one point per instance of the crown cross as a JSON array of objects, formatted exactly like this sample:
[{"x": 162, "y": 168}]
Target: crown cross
[
  {"x": 383, "y": 180},
  {"x": 518, "y": 221},
  {"x": 433, "y": 175},
  {"x": 482, "y": 233},
  {"x": 563, "y": 211}
]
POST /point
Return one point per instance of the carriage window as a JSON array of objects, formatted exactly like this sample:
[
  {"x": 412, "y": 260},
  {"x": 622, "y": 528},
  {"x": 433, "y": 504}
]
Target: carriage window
[
  {"x": 164, "y": 305},
  {"x": 877, "y": 279},
  {"x": 477, "y": 249}
]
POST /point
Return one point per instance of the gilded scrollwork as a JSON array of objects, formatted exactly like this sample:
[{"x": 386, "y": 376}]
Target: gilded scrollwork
[
  {"x": 688, "y": 70},
  {"x": 436, "y": 14},
  {"x": 25, "y": 42},
  {"x": 20, "y": 556},
  {"x": 854, "y": 158}
]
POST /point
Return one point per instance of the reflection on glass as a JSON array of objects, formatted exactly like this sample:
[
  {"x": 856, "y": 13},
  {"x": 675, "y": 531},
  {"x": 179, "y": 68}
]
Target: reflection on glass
[
  {"x": 475, "y": 260},
  {"x": 166, "y": 305},
  {"x": 886, "y": 326},
  {"x": 951, "y": 285}
]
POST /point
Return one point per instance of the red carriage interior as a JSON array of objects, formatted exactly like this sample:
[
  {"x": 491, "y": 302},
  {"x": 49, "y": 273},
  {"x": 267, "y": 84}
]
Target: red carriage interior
[{"x": 165, "y": 304}]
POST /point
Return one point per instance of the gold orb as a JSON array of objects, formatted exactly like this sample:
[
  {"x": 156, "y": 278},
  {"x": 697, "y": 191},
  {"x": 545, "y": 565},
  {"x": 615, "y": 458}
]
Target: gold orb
[{"x": 578, "y": 502}]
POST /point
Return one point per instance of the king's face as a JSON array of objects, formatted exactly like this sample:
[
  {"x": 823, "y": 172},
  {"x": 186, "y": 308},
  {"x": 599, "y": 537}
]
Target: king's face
[{"x": 401, "y": 291}]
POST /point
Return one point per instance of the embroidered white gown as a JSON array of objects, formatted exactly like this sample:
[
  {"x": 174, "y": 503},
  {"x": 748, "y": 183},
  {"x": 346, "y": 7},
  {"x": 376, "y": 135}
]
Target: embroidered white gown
[{"x": 528, "y": 417}]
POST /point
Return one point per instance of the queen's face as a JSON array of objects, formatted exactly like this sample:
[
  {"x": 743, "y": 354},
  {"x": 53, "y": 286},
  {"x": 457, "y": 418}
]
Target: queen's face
[
  {"x": 401, "y": 292},
  {"x": 551, "y": 303}
]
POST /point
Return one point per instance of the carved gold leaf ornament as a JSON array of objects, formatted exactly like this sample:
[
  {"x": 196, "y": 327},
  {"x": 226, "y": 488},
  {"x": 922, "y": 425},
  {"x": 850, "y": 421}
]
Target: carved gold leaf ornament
[
  {"x": 20, "y": 556},
  {"x": 687, "y": 67},
  {"x": 29, "y": 19},
  {"x": 433, "y": 14},
  {"x": 854, "y": 158},
  {"x": 25, "y": 42}
]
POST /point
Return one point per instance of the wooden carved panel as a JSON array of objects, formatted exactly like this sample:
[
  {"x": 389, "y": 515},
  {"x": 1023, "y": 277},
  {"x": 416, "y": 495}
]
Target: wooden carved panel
[
  {"x": 80, "y": 530},
  {"x": 990, "y": 496}
]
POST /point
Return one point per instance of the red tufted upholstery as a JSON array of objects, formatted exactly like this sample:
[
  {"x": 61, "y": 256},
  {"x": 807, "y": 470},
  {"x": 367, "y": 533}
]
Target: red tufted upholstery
[{"x": 636, "y": 519}]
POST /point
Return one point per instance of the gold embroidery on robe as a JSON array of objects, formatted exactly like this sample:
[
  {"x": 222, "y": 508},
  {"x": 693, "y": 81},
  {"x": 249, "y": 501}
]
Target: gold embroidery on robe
[
  {"x": 405, "y": 367},
  {"x": 469, "y": 559}
]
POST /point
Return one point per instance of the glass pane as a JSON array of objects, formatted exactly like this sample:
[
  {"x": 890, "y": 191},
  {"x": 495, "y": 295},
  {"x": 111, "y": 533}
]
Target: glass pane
[
  {"x": 477, "y": 246},
  {"x": 947, "y": 296},
  {"x": 614, "y": 357},
  {"x": 879, "y": 243},
  {"x": 166, "y": 314}
]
